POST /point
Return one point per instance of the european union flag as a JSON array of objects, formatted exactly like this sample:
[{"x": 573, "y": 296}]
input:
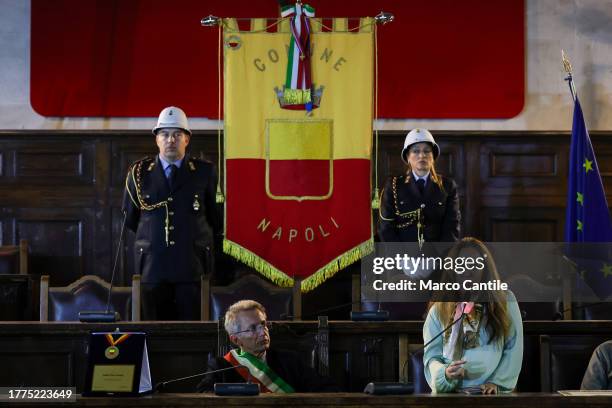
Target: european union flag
[{"x": 587, "y": 216}]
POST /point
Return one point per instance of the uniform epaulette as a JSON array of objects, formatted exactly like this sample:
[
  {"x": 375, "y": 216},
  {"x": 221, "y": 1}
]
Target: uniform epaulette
[
  {"x": 195, "y": 162},
  {"x": 145, "y": 161}
]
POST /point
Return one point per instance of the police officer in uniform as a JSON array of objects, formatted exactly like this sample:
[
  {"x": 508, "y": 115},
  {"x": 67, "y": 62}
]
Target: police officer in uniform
[
  {"x": 170, "y": 204},
  {"x": 420, "y": 205}
]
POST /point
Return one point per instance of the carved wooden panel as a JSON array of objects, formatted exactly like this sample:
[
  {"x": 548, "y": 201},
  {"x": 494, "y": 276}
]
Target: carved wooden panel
[
  {"x": 175, "y": 357},
  {"x": 125, "y": 152},
  {"x": 64, "y": 162},
  {"x": 60, "y": 241},
  {"x": 603, "y": 152},
  {"x": 523, "y": 224},
  {"x": 28, "y": 361},
  {"x": 524, "y": 165},
  {"x": 523, "y": 169}
]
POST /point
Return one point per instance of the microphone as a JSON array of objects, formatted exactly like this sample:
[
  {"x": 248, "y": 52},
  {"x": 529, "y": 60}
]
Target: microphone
[
  {"x": 559, "y": 315},
  {"x": 106, "y": 316},
  {"x": 399, "y": 388},
  {"x": 378, "y": 315},
  {"x": 319, "y": 312},
  {"x": 247, "y": 388}
]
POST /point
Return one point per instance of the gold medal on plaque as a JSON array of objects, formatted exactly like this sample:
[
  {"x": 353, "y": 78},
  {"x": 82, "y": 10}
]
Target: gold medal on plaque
[
  {"x": 111, "y": 352},
  {"x": 196, "y": 203}
]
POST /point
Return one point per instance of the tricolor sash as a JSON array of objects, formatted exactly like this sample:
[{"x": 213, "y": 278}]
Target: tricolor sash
[{"x": 260, "y": 372}]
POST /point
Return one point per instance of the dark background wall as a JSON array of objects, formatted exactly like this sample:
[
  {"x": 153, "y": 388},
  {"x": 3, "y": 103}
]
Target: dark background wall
[{"x": 62, "y": 191}]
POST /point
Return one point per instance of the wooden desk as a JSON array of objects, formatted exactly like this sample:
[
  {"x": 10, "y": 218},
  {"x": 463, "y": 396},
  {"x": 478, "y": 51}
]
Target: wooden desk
[
  {"x": 539, "y": 400},
  {"x": 53, "y": 354}
]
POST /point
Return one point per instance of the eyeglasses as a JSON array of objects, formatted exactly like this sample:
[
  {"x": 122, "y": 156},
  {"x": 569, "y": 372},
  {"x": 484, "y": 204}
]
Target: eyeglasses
[
  {"x": 254, "y": 328},
  {"x": 166, "y": 135}
]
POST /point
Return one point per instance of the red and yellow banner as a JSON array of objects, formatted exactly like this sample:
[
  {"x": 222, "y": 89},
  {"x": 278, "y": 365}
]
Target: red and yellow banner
[{"x": 297, "y": 183}]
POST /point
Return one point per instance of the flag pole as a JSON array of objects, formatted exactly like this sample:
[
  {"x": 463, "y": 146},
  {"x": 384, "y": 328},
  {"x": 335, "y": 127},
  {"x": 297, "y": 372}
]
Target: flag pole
[
  {"x": 567, "y": 66},
  {"x": 569, "y": 277}
]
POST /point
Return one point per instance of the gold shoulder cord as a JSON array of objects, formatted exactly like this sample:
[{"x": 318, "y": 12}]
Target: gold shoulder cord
[
  {"x": 380, "y": 209},
  {"x": 409, "y": 218},
  {"x": 142, "y": 204}
]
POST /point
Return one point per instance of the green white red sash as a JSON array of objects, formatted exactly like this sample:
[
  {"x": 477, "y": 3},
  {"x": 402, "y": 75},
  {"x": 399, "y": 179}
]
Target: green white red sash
[
  {"x": 260, "y": 372},
  {"x": 298, "y": 81}
]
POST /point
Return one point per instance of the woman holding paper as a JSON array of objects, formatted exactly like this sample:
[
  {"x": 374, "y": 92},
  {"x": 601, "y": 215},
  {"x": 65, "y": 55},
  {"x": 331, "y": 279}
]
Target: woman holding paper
[{"x": 480, "y": 349}]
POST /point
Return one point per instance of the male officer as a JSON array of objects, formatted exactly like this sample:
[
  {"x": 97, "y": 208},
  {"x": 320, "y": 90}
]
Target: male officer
[{"x": 170, "y": 205}]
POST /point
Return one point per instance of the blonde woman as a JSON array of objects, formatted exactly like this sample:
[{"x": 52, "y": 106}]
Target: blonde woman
[
  {"x": 420, "y": 205},
  {"x": 483, "y": 349}
]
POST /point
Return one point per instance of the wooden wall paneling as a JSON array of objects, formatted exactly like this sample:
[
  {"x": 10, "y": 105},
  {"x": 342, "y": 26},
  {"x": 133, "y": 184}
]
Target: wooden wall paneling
[
  {"x": 524, "y": 168},
  {"x": 503, "y": 224},
  {"x": 125, "y": 150},
  {"x": 603, "y": 152},
  {"x": 60, "y": 241},
  {"x": 67, "y": 161},
  {"x": 125, "y": 263},
  {"x": 472, "y": 191},
  {"x": 30, "y": 360},
  {"x": 175, "y": 357},
  {"x": 102, "y": 228}
]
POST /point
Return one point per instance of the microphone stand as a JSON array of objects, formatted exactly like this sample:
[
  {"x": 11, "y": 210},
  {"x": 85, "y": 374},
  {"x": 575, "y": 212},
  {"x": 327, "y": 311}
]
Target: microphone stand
[
  {"x": 107, "y": 316},
  {"x": 247, "y": 388},
  {"x": 432, "y": 340},
  {"x": 390, "y": 388}
]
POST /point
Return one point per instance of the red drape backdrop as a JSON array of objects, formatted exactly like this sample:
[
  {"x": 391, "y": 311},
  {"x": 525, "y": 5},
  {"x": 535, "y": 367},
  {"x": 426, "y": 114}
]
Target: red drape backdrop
[{"x": 438, "y": 59}]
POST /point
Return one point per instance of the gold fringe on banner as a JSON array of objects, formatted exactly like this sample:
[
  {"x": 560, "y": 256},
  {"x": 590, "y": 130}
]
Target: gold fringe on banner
[
  {"x": 254, "y": 261},
  {"x": 281, "y": 279},
  {"x": 341, "y": 262}
]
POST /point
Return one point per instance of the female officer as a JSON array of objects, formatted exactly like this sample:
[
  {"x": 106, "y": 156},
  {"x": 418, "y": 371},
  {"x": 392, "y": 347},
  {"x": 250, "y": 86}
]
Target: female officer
[{"x": 420, "y": 205}]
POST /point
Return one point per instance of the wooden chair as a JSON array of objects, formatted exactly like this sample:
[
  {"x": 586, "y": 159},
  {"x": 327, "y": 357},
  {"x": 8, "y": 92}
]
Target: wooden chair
[
  {"x": 397, "y": 310},
  {"x": 14, "y": 258},
  {"x": 18, "y": 297},
  {"x": 280, "y": 303},
  {"x": 63, "y": 303},
  {"x": 564, "y": 359}
]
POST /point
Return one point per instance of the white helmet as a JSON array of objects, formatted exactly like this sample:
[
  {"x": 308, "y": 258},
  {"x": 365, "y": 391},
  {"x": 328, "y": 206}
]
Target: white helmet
[
  {"x": 172, "y": 117},
  {"x": 419, "y": 136}
]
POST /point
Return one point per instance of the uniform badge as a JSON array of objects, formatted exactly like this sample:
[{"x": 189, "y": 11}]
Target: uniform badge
[
  {"x": 196, "y": 203},
  {"x": 191, "y": 166}
]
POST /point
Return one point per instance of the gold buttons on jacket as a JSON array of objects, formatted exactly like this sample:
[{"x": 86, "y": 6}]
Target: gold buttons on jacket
[
  {"x": 171, "y": 213},
  {"x": 171, "y": 227},
  {"x": 172, "y": 242},
  {"x": 170, "y": 199}
]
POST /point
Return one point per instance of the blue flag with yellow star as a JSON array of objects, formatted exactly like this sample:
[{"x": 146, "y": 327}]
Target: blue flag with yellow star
[{"x": 587, "y": 216}]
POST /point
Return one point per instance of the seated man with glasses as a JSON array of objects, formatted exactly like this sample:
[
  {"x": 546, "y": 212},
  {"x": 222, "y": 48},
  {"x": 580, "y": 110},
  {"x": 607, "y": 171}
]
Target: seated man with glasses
[{"x": 275, "y": 370}]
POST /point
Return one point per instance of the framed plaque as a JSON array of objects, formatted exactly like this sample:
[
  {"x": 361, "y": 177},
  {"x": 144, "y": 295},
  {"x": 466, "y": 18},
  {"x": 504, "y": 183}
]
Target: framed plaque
[{"x": 118, "y": 365}]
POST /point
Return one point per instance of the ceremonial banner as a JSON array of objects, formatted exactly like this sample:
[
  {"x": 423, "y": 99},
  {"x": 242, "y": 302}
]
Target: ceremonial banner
[{"x": 298, "y": 132}]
